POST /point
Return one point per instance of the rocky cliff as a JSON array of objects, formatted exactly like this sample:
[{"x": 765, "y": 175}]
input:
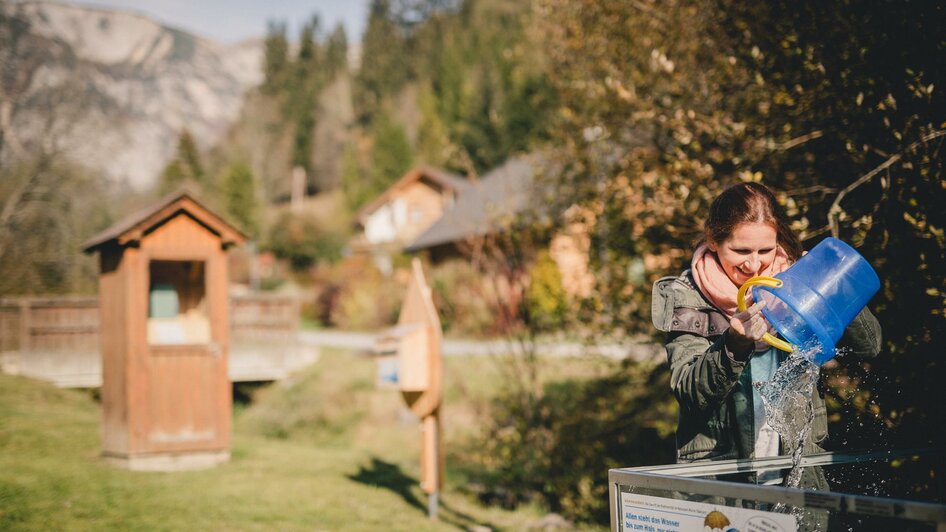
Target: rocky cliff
[{"x": 113, "y": 89}]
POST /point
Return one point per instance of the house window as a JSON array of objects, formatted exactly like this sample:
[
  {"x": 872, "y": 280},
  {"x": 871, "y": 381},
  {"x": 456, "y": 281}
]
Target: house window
[
  {"x": 177, "y": 303},
  {"x": 417, "y": 215}
]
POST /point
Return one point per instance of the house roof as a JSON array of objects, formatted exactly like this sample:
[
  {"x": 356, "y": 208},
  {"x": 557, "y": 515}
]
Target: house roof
[
  {"x": 486, "y": 206},
  {"x": 442, "y": 178},
  {"x": 134, "y": 226}
]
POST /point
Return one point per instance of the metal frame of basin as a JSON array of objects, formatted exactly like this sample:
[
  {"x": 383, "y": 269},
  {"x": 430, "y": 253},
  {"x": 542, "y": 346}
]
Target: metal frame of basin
[{"x": 683, "y": 479}]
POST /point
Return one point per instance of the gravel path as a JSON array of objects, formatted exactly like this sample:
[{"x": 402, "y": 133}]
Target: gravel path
[{"x": 365, "y": 342}]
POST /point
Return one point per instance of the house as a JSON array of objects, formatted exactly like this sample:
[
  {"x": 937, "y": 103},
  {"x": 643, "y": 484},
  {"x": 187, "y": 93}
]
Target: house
[
  {"x": 495, "y": 203},
  {"x": 488, "y": 205},
  {"x": 437, "y": 212},
  {"x": 405, "y": 210}
]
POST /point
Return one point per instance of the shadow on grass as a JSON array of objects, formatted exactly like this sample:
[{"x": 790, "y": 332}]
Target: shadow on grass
[
  {"x": 389, "y": 476},
  {"x": 243, "y": 392}
]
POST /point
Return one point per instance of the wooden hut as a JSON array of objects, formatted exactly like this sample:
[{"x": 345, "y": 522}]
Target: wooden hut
[{"x": 166, "y": 396}]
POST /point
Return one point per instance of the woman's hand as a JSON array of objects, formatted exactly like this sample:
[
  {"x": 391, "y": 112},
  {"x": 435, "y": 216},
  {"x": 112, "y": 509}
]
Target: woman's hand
[{"x": 745, "y": 329}]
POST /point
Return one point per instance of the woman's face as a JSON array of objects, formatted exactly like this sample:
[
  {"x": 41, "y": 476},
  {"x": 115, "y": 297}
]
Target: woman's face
[{"x": 748, "y": 251}]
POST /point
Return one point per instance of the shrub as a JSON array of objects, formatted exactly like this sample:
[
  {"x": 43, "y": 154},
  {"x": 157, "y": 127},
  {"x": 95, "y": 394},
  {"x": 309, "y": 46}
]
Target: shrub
[
  {"x": 304, "y": 242},
  {"x": 546, "y": 301},
  {"x": 356, "y": 296},
  {"x": 460, "y": 298},
  {"x": 558, "y": 448}
]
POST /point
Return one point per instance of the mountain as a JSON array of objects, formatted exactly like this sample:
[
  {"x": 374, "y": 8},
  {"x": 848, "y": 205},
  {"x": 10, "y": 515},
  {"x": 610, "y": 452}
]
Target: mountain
[{"x": 113, "y": 89}]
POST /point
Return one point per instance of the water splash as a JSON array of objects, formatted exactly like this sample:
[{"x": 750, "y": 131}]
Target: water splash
[{"x": 787, "y": 399}]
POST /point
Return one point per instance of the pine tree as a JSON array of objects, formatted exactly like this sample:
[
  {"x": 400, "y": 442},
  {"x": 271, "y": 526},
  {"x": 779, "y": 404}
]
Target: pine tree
[
  {"x": 239, "y": 197},
  {"x": 276, "y": 56},
  {"x": 353, "y": 185},
  {"x": 391, "y": 156},
  {"x": 383, "y": 61},
  {"x": 307, "y": 82},
  {"x": 336, "y": 51},
  {"x": 432, "y": 139},
  {"x": 308, "y": 49},
  {"x": 189, "y": 156},
  {"x": 186, "y": 166}
]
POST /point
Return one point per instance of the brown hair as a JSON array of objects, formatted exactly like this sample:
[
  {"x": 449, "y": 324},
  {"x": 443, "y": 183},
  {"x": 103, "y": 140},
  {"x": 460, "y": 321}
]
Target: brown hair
[{"x": 749, "y": 203}]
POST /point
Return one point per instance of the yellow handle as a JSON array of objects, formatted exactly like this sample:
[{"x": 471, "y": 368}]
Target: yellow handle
[{"x": 771, "y": 282}]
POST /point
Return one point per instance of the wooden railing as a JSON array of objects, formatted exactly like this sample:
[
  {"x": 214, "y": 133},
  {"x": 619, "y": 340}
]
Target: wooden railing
[{"x": 57, "y": 338}]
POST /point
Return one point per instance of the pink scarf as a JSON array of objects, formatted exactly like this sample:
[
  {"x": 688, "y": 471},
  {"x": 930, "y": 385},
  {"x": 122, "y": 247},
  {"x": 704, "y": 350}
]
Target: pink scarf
[{"x": 718, "y": 287}]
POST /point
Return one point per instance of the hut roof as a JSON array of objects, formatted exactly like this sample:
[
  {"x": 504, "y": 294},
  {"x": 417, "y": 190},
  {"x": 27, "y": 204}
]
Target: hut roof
[{"x": 134, "y": 226}]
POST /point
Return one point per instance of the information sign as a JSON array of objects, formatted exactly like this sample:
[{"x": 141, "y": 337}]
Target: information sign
[{"x": 657, "y": 514}]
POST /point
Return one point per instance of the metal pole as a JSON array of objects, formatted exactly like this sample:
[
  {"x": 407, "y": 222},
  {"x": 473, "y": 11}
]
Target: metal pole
[{"x": 432, "y": 502}]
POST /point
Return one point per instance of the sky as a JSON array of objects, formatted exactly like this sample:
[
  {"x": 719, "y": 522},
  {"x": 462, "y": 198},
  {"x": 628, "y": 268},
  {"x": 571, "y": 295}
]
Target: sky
[{"x": 229, "y": 21}]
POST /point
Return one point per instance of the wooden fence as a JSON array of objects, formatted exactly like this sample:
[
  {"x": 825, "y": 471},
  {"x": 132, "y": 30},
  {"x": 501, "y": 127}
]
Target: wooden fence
[{"x": 57, "y": 338}]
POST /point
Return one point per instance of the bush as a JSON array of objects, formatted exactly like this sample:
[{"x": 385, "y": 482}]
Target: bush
[
  {"x": 368, "y": 305},
  {"x": 304, "y": 242},
  {"x": 325, "y": 303},
  {"x": 546, "y": 301},
  {"x": 460, "y": 298},
  {"x": 558, "y": 448},
  {"x": 355, "y": 295}
]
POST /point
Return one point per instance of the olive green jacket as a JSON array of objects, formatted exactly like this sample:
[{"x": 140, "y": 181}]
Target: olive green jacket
[{"x": 713, "y": 389}]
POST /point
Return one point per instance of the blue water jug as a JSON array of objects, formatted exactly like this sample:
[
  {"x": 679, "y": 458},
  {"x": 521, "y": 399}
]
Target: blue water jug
[{"x": 812, "y": 302}]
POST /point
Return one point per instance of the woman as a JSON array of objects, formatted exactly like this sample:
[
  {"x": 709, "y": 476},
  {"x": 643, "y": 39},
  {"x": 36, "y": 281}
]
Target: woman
[{"x": 715, "y": 351}]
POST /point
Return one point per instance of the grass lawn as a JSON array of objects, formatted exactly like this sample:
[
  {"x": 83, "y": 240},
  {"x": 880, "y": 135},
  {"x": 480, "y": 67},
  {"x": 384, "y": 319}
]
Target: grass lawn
[{"x": 324, "y": 450}]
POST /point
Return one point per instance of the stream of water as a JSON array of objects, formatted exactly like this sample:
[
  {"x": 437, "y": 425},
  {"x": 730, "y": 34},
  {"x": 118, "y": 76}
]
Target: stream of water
[{"x": 788, "y": 404}]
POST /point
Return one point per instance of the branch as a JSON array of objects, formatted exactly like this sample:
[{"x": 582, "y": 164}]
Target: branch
[
  {"x": 835, "y": 210},
  {"x": 18, "y": 195},
  {"x": 641, "y": 6},
  {"x": 7, "y": 134},
  {"x": 809, "y": 236},
  {"x": 811, "y": 190},
  {"x": 797, "y": 141}
]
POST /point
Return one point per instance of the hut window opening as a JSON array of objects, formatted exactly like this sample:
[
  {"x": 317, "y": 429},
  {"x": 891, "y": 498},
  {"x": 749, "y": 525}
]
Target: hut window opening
[{"x": 177, "y": 303}]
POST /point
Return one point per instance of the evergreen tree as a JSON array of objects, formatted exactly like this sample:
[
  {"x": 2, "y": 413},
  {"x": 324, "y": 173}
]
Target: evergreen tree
[
  {"x": 488, "y": 84},
  {"x": 239, "y": 197},
  {"x": 383, "y": 61},
  {"x": 481, "y": 134},
  {"x": 391, "y": 156},
  {"x": 308, "y": 49},
  {"x": 353, "y": 186},
  {"x": 336, "y": 51},
  {"x": 186, "y": 166},
  {"x": 432, "y": 140},
  {"x": 304, "y": 93},
  {"x": 448, "y": 82},
  {"x": 276, "y": 56}
]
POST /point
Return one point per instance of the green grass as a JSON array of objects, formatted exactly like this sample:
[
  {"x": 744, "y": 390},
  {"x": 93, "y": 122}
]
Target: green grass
[{"x": 324, "y": 450}]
